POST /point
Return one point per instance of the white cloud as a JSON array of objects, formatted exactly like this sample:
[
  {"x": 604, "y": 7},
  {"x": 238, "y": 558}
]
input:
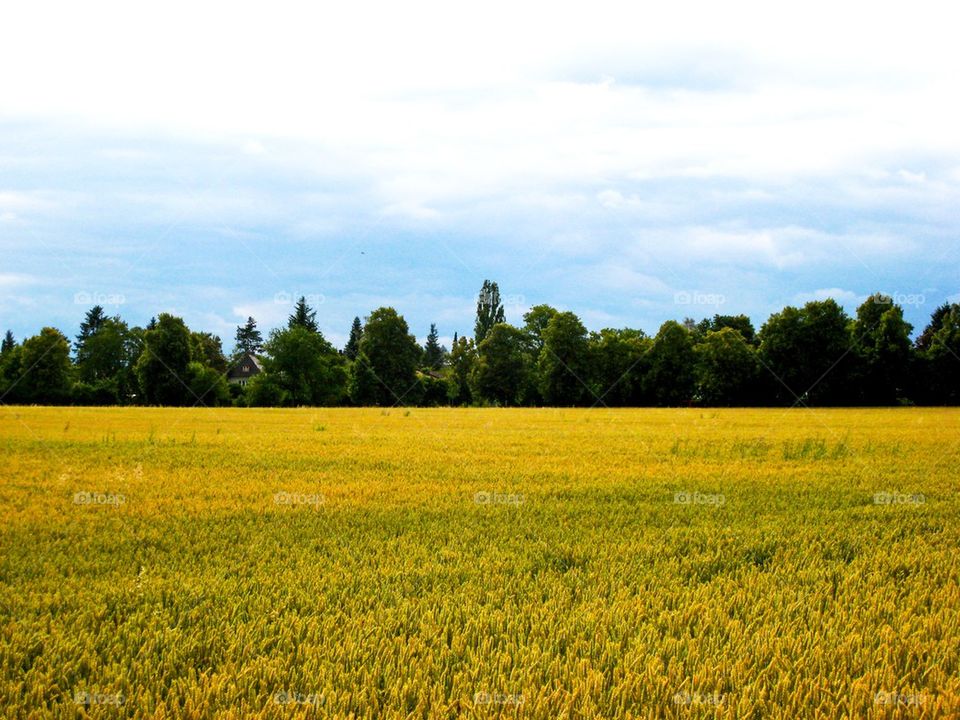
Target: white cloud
[
  {"x": 11, "y": 281},
  {"x": 19, "y": 201},
  {"x": 913, "y": 177},
  {"x": 411, "y": 210},
  {"x": 253, "y": 147},
  {"x": 616, "y": 275},
  {"x": 779, "y": 247},
  {"x": 768, "y": 248},
  {"x": 601, "y": 154},
  {"x": 415, "y": 92},
  {"x": 611, "y": 198},
  {"x": 600, "y": 319},
  {"x": 268, "y": 313},
  {"x": 844, "y": 297}
]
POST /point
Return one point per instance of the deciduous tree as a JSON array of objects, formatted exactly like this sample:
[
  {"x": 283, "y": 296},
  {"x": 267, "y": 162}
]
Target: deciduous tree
[
  {"x": 385, "y": 372},
  {"x": 489, "y": 310},
  {"x": 162, "y": 366}
]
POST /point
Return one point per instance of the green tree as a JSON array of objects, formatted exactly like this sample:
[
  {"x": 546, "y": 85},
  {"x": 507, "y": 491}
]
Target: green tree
[
  {"x": 698, "y": 330},
  {"x": 45, "y": 368},
  {"x": 305, "y": 367},
  {"x": 434, "y": 391},
  {"x": 385, "y": 372},
  {"x": 91, "y": 324},
  {"x": 248, "y": 339},
  {"x": 670, "y": 361},
  {"x": 162, "y": 366},
  {"x": 207, "y": 348},
  {"x": 463, "y": 358},
  {"x": 503, "y": 373},
  {"x": 105, "y": 363},
  {"x": 881, "y": 341},
  {"x": 727, "y": 369},
  {"x": 303, "y": 316},
  {"x": 264, "y": 390},
  {"x": 353, "y": 342},
  {"x": 9, "y": 343},
  {"x": 925, "y": 339},
  {"x": 740, "y": 323},
  {"x": 535, "y": 321},
  {"x": 942, "y": 360},
  {"x": 208, "y": 386},
  {"x": 433, "y": 352},
  {"x": 617, "y": 366},
  {"x": 489, "y": 310},
  {"x": 10, "y": 375},
  {"x": 808, "y": 352},
  {"x": 564, "y": 361}
]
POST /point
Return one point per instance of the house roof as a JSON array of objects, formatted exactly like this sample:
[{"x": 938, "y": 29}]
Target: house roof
[{"x": 249, "y": 360}]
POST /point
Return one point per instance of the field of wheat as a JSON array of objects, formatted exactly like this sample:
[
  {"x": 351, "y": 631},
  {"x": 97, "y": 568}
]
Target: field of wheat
[{"x": 479, "y": 563}]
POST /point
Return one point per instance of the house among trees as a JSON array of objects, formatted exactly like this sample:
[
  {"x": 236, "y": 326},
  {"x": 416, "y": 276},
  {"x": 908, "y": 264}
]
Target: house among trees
[
  {"x": 552, "y": 360},
  {"x": 248, "y": 367}
]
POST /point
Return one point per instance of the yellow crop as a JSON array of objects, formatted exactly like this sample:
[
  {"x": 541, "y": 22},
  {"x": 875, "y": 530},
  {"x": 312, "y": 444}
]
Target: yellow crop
[{"x": 479, "y": 563}]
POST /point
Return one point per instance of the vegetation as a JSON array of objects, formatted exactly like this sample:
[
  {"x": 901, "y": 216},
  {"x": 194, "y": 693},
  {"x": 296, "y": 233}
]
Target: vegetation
[
  {"x": 448, "y": 563},
  {"x": 489, "y": 310},
  {"x": 248, "y": 339},
  {"x": 815, "y": 355}
]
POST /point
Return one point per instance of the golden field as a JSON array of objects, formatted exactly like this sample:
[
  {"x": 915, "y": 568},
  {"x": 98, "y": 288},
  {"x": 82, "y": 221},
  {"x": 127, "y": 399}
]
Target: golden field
[{"x": 473, "y": 563}]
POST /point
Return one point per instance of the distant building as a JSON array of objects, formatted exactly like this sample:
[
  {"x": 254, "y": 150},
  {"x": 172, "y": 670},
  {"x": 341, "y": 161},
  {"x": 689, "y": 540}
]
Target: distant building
[{"x": 248, "y": 367}]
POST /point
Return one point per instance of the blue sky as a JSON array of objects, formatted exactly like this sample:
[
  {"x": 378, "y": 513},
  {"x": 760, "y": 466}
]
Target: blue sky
[{"x": 632, "y": 165}]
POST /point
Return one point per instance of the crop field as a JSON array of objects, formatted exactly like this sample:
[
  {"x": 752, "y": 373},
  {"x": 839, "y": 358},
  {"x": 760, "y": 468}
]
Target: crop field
[{"x": 448, "y": 563}]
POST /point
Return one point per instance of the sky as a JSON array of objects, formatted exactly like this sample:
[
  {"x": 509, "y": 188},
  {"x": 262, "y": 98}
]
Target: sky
[{"x": 632, "y": 162}]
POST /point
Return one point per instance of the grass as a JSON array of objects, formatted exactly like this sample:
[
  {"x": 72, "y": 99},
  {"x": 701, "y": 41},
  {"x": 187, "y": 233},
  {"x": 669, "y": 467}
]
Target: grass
[{"x": 479, "y": 563}]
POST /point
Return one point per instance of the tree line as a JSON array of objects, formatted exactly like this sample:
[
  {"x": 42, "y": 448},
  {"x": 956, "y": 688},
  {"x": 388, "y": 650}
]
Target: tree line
[{"x": 810, "y": 355}]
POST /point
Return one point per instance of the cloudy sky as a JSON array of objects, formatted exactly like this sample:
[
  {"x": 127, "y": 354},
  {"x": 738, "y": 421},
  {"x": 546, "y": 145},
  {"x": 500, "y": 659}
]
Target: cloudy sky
[{"x": 632, "y": 162}]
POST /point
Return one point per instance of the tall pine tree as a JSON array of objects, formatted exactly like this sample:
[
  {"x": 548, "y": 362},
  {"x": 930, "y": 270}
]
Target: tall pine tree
[
  {"x": 91, "y": 324},
  {"x": 303, "y": 316},
  {"x": 353, "y": 343},
  {"x": 248, "y": 338},
  {"x": 432, "y": 352},
  {"x": 8, "y": 343}
]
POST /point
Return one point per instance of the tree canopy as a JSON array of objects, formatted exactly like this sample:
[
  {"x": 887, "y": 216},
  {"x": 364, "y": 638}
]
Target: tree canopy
[
  {"x": 385, "y": 371},
  {"x": 810, "y": 355},
  {"x": 489, "y": 310}
]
